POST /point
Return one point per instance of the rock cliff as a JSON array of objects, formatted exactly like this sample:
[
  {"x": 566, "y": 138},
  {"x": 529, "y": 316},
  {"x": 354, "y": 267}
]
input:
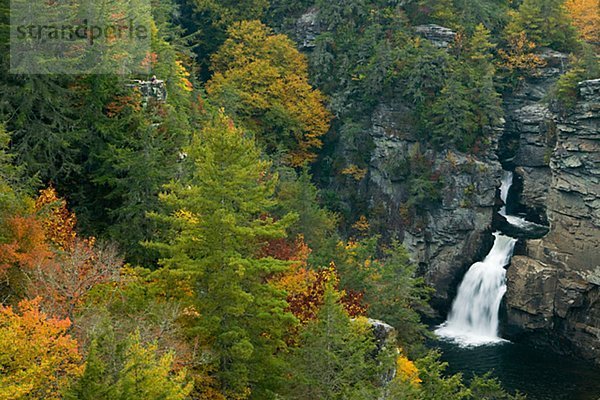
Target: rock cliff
[
  {"x": 529, "y": 137},
  {"x": 553, "y": 283},
  {"x": 445, "y": 238},
  {"x": 553, "y": 292}
]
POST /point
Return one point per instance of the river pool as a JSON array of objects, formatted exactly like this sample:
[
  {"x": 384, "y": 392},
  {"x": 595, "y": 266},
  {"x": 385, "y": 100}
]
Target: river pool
[{"x": 542, "y": 375}]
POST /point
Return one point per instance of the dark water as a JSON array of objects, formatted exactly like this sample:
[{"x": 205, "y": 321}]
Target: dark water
[{"x": 541, "y": 375}]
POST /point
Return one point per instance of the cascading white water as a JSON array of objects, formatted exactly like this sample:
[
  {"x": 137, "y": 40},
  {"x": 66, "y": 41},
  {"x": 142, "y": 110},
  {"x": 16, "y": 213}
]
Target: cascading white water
[
  {"x": 506, "y": 183},
  {"x": 474, "y": 317}
]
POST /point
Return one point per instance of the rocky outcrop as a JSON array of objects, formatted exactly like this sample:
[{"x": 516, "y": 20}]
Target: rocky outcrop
[
  {"x": 307, "y": 29},
  {"x": 529, "y": 138},
  {"x": 385, "y": 340},
  {"x": 443, "y": 238},
  {"x": 439, "y": 36},
  {"x": 152, "y": 90},
  {"x": 520, "y": 229},
  {"x": 385, "y": 334},
  {"x": 446, "y": 238},
  {"x": 532, "y": 183},
  {"x": 553, "y": 292}
]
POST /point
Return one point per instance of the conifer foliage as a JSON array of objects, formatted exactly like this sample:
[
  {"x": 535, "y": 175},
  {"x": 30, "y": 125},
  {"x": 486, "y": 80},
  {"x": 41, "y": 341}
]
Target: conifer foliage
[
  {"x": 217, "y": 223},
  {"x": 185, "y": 248}
]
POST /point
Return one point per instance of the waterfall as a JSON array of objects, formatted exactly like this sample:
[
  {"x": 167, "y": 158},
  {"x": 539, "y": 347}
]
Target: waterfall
[
  {"x": 506, "y": 183},
  {"x": 473, "y": 319},
  {"x": 474, "y": 316}
]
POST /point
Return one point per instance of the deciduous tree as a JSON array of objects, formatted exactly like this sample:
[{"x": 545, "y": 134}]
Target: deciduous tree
[
  {"x": 585, "y": 15},
  {"x": 38, "y": 359},
  {"x": 262, "y": 81}
]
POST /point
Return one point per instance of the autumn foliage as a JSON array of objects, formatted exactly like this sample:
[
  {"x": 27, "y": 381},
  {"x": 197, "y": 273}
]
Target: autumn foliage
[
  {"x": 45, "y": 258},
  {"x": 37, "y": 356},
  {"x": 58, "y": 222},
  {"x": 306, "y": 287},
  {"x": 26, "y": 248},
  {"x": 306, "y": 291},
  {"x": 262, "y": 79},
  {"x": 407, "y": 371},
  {"x": 519, "y": 58},
  {"x": 585, "y": 15}
]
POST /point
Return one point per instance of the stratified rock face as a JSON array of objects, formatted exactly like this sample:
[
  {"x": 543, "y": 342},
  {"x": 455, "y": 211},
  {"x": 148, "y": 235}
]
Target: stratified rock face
[
  {"x": 554, "y": 289},
  {"x": 534, "y": 183},
  {"x": 447, "y": 237},
  {"x": 307, "y": 29},
  {"x": 529, "y": 138},
  {"x": 438, "y": 35}
]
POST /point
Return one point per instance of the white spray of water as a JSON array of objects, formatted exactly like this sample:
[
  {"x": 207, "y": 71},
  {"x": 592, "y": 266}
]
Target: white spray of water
[
  {"x": 506, "y": 183},
  {"x": 473, "y": 320}
]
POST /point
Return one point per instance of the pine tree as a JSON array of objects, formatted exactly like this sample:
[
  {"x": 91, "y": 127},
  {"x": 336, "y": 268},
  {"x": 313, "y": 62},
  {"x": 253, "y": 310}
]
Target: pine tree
[
  {"x": 218, "y": 224},
  {"x": 336, "y": 359},
  {"x": 128, "y": 370},
  {"x": 545, "y": 22},
  {"x": 296, "y": 193},
  {"x": 480, "y": 71},
  {"x": 14, "y": 185},
  {"x": 132, "y": 150},
  {"x": 396, "y": 295},
  {"x": 145, "y": 376},
  {"x": 94, "y": 383},
  {"x": 451, "y": 117}
]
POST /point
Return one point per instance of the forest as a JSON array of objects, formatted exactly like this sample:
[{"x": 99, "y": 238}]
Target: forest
[{"x": 184, "y": 229}]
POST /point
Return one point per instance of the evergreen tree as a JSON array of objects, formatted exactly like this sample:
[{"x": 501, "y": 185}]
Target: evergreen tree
[
  {"x": 94, "y": 383},
  {"x": 39, "y": 111},
  {"x": 545, "y": 22},
  {"x": 132, "y": 147},
  {"x": 469, "y": 103},
  {"x": 397, "y": 295},
  {"x": 296, "y": 193},
  {"x": 207, "y": 21},
  {"x": 336, "y": 358},
  {"x": 128, "y": 370},
  {"x": 451, "y": 117},
  {"x": 217, "y": 227},
  {"x": 144, "y": 376}
]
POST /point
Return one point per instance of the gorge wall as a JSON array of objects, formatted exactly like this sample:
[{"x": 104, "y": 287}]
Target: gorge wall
[
  {"x": 553, "y": 295},
  {"x": 553, "y": 292},
  {"x": 445, "y": 237}
]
